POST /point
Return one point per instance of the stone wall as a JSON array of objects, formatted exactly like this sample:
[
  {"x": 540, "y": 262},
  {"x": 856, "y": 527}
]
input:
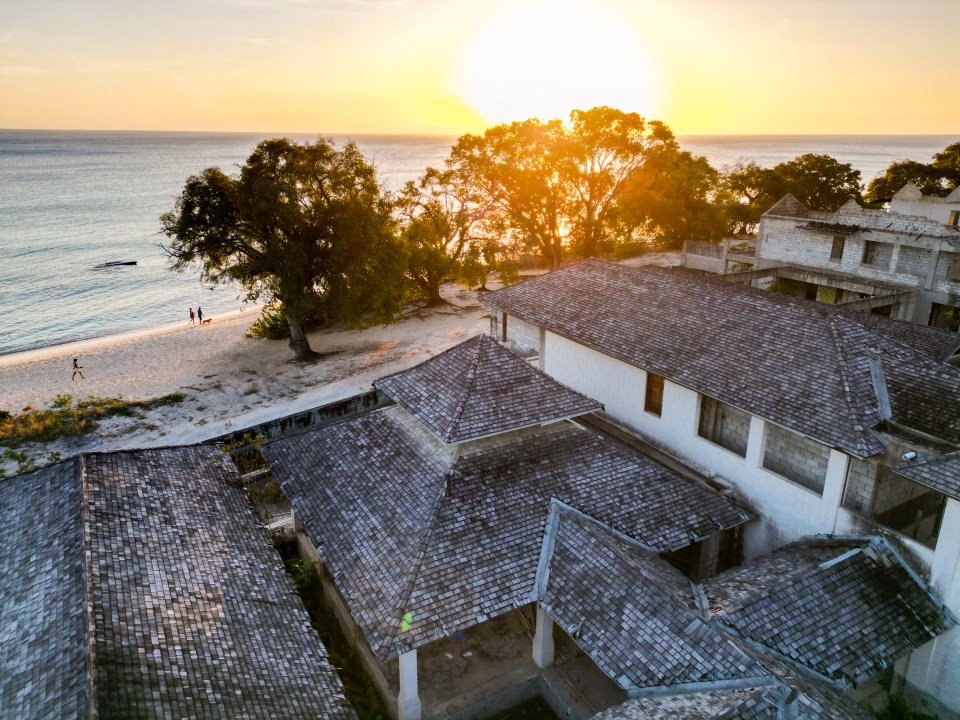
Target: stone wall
[
  {"x": 796, "y": 457},
  {"x": 914, "y": 261}
]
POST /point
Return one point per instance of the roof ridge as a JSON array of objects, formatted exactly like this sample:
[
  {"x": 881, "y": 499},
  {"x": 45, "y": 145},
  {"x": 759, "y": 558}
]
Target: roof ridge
[
  {"x": 80, "y": 476},
  {"x": 467, "y": 390},
  {"x": 401, "y": 612},
  {"x": 790, "y": 581},
  {"x": 840, "y": 350}
]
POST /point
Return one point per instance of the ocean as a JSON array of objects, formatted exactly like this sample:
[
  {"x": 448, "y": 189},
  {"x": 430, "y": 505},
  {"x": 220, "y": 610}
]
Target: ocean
[{"x": 72, "y": 200}]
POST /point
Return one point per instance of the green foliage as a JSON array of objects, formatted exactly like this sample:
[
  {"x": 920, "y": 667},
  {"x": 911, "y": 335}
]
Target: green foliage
[
  {"x": 272, "y": 324},
  {"x": 358, "y": 686},
  {"x": 818, "y": 181},
  {"x": 304, "y": 226},
  {"x": 245, "y": 451},
  {"x": 70, "y": 418},
  {"x": 898, "y": 709},
  {"x": 938, "y": 178}
]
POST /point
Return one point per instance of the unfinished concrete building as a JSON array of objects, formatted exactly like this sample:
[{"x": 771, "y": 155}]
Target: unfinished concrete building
[{"x": 903, "y": 262}]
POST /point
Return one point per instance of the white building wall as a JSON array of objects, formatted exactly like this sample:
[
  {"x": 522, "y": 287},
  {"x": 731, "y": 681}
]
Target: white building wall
[
  {"x": 620, "y": 387},
  {"x": 788, "y": 511}
]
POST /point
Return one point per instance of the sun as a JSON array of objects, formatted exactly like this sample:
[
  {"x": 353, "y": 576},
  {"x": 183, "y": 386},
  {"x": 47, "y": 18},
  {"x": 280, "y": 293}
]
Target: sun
[{"x": 543, "y": 59}]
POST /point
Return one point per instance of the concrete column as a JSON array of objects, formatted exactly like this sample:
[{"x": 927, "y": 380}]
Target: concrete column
[
  {"x": 833, "y": 486},
  {"x": 754, "y": 457},
  {"x": 408, "y": 701},
  {"x": 543, "y": 639}
]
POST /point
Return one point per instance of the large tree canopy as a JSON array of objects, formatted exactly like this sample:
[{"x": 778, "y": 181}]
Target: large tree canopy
[
  {"x": 818, "y": 181},
  {"x": 609, "y": 148},
  {"x": 440, "y": 214},
  {"x": 938, "y": 178},
  {"x": 303, "y": 225},
  {"x": 520, "y": 170}
]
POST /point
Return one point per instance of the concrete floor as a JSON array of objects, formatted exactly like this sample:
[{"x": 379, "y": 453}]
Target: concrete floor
[{"x": 489, "y": 668}]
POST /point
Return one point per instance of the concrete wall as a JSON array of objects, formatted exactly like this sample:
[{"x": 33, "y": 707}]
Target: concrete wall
[
  {"x": 787, "y": 510},
  {"x": 925, "y": 263},
  {"x": 620, "y": 387},
  {"x": 796, "y": 457},
  {"x": 934, "y": 208}
]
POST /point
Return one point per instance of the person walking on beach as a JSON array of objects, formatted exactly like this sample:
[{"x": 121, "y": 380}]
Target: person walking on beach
[
  {"x": 77, "y": 368},
  {"x": 191, "y": 316},
  {"x": 199, "y": 314}
]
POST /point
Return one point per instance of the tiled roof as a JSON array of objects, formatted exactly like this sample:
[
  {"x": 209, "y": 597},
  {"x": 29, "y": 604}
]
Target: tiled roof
[
  {"x": 192, "y": 611},
  {"x": 798, "y": 364},
  {"x": 630, "y": 610},
  {"x": 158, "y": 595},
  {"x": 420, "y": 550},
  {"x": 478, "y": 388},
  {"x": 941, "y": 473},
  {"x": 43, "y": 631},
  {"x": 846, "y": 618}
]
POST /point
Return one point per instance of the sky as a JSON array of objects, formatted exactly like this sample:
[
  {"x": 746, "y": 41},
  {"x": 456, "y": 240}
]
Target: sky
[{"x": 455, "y": 66}]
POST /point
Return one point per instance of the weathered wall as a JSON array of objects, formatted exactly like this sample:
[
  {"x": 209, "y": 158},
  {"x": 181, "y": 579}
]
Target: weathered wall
[
  {"x": 620, "y": 387},
  {"x": 796, "y": 457}
]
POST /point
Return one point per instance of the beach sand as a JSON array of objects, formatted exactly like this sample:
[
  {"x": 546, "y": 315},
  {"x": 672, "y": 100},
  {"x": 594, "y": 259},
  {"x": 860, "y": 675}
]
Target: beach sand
[{"x": 230, "y": 381}]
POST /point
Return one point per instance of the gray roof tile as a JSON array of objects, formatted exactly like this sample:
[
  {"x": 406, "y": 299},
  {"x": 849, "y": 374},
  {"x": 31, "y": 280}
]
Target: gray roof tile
[
  {"x": 799, "y": 364},
  {"x": 846, "y": 618},
  {"x": 43, "y": 630},
  {"x": 478, "y": 388},
  {"x": 940, "y": 473},
  {"x": 630, "y": 610},
  {"x": 406, "y": 535},
  {"x": 154, "y": 594}
]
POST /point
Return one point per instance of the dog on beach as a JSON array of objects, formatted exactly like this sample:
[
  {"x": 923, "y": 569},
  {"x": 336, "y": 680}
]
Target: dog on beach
[{"x": 206, "y": 322}]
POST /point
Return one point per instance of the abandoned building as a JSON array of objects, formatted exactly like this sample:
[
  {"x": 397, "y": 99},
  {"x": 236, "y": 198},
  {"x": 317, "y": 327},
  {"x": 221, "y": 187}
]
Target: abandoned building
[
  {"x": 139, "y": 584},
  {"x": 825, "y": 420},
  {"x": 903, "y": 262},
  {"x": 481, "y": 491},
  {"x": 617, "y": 505}
]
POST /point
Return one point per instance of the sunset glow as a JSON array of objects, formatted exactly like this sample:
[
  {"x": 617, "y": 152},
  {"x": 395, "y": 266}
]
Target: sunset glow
[
  {"x": 448, "y": 67},
  {"x": 545, "y": 59}
]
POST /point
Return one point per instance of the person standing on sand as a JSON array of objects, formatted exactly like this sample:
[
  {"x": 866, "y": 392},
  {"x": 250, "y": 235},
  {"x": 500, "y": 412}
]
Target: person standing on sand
[
  {"x": 191, "y": 315},
  {"x": 76, "y": 369},
  {"x": 199, "y": 314}
]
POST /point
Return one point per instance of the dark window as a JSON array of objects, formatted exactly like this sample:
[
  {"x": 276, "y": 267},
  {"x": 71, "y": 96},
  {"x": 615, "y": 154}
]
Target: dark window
[
  {"x": 876, "y": 253},
  {"x": 895, "y": 501},
  {"x": 724, "y": 425},
  {"x": 653, "y": 402},
  {"x": 836, "y": 252},
  {"x": 954, "y": 218}
]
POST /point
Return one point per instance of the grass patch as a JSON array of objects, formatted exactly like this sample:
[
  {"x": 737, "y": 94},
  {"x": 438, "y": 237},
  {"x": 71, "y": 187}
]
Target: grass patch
[
  {"x": 72, "y": 418},
  {"x": 357, "y": 685}
]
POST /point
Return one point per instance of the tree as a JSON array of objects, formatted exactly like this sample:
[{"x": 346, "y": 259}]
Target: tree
[
  {"x": 818, "y": 181},
  {"x": 303, "y": 225},
  {"x": 440, "y": 213},
  {"x": 751, "y": 190},
  {"x": 938, "y": 178},
  {"x": 609, "y": 147},
  {"x": 675, "y": 197},
  {"x": 821, "y": 182},
  {"x": 521, "y": 173}
]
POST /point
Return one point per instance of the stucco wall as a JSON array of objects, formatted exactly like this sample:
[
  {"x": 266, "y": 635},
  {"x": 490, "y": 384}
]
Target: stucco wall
[{"x": 620, "y": 387}]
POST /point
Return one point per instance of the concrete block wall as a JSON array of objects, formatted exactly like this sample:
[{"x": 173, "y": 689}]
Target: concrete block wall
[
  {"x": 725, "y": 425},
  {"x": 861, "y": 480},
  {"x": 877, "y": 254},
  {"x": 796, "y": 457},
  {"x": 914, "y": 261}
]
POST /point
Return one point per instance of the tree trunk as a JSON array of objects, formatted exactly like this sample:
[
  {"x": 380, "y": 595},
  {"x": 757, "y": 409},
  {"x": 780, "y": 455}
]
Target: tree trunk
[
  {"x": 433, "y": 295},
  {"x": 302, "y": 352}
]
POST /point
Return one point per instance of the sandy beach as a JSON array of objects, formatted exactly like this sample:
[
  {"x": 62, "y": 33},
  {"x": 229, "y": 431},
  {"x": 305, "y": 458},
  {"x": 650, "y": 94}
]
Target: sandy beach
[{"x": 230, "y": 381}]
